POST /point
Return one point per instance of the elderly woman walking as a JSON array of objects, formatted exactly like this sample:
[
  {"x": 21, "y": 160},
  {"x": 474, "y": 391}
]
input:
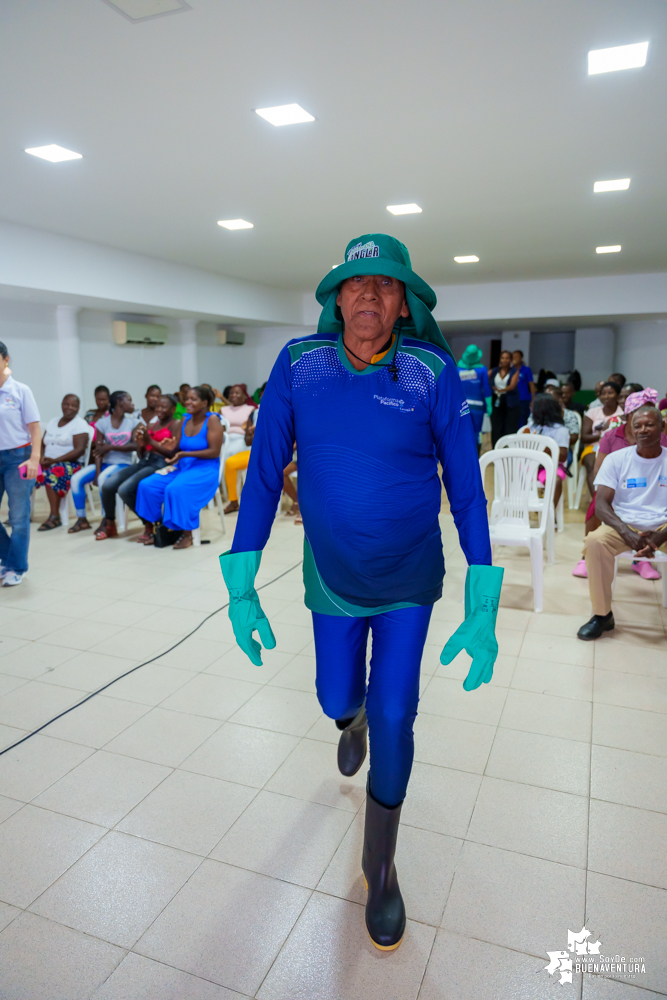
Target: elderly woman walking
[{"x": 373, "y": 559}]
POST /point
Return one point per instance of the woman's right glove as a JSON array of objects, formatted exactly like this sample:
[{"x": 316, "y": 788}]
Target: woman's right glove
[{"x": 239, "y": 570}]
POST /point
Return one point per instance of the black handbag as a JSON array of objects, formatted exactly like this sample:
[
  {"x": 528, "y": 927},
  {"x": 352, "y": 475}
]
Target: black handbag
[{"x": 164, "y": 537}]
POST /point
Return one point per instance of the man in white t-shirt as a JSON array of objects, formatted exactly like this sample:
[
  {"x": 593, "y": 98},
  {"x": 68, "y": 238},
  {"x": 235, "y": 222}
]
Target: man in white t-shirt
[{"x": 631, "y": 502}]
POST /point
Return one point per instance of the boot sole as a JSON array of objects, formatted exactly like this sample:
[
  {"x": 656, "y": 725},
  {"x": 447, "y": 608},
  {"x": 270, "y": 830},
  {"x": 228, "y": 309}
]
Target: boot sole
[
  {"x": 592, "y": 638},
  {"x": 381, "y": 947}
]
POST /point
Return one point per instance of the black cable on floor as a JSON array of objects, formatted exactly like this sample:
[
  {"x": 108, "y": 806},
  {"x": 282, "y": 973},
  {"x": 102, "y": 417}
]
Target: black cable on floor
[{"x": 139, "y": 666}]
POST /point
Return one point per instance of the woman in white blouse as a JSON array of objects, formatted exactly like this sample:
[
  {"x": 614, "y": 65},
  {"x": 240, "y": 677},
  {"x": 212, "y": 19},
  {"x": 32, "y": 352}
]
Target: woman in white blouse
[{"x": 63, "y": 445}]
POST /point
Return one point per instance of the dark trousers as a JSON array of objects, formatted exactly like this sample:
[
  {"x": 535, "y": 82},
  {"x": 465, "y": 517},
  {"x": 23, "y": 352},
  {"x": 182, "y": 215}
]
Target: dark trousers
[
  {"x": 504, "y": 420},
  {"x": 524, "y": 412},
  {"x": 125, "y": 483}
]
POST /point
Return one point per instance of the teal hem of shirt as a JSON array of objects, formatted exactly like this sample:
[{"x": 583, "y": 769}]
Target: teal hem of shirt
[{"x": 321, "y": 599}]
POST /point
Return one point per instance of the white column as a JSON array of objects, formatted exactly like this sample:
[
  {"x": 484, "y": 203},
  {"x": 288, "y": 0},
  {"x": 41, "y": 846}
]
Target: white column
[
  {"x": 69, "y": 350},
  {"x": 189, "y": 351}
]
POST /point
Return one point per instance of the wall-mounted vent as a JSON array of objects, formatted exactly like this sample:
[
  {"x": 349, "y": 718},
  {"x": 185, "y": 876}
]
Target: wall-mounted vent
[
  {"x": 125, "y": 332},
  {"x": 230, "y": 336},
  {"x": 143, "y": 10}
]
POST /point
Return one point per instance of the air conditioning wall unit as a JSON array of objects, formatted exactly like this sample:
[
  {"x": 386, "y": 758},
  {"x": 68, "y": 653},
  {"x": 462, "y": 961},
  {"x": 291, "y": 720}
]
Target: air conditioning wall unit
[
  {"x": 126, "y": 332},
  {"x": 230, "y": 336}
]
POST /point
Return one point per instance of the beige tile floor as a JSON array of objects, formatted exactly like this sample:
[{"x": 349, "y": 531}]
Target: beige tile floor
[{"x": 185, "y": 835}]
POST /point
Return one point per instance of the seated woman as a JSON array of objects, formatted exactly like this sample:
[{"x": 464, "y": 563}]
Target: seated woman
[
  {"x": 155, "y": 441},
  {"x": 191, "y": 476},
  {"x": 547, "y": 418},
  {"x": 64, "y": 443},
  {"x": 237, "y": 414},
  {"x": 114, "y": 444},
  {"x": 596, "y": 422},
  {"x": 235, "y": 463},
  {"x": 149, "y": 413},
  {"x": 101, "y": 407}
]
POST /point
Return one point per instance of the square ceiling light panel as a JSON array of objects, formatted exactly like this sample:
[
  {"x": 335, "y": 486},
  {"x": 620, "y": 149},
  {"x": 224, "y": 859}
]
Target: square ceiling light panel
[
  {"x": 622, "y": 184},
  {"x": 620, "y": 57},
  {"x": 236, "y": 224},
  {"x": 403, "y": 209},
  {"x": 471, "y": 259},
  {"x": 142, "y": 10},
  {"x": 53, "y": 153},
  {"x": 285, "y": 114},
  {"x": 614, "y": 249}
]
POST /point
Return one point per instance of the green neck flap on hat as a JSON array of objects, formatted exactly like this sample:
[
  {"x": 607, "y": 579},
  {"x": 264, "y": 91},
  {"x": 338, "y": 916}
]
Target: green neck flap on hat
[
  {"x": 471, "y": 357},
  {"x": 377, "y": 253}
]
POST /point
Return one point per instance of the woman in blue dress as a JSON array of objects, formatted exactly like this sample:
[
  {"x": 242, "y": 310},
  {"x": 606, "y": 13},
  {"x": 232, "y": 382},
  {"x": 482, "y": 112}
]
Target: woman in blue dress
[{"x": 191, "y": 476}]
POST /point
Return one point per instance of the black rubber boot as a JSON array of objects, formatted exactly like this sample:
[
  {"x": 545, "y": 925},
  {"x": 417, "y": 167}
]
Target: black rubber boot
[
  {"x": 353, "y": 743},
  {"x": 385, "y": 910},
  {"x": 594, "y": 628}
]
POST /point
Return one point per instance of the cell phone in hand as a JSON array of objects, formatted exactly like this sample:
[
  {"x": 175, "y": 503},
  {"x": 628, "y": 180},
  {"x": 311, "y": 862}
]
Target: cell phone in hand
[{"x": 23, "y": 471}]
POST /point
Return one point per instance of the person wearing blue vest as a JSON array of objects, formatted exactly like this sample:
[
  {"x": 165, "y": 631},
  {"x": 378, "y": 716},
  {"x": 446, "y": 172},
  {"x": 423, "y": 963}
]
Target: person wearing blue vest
[
  {"x": 373, "y": 559},
  {"x": 476, "y": 387}
]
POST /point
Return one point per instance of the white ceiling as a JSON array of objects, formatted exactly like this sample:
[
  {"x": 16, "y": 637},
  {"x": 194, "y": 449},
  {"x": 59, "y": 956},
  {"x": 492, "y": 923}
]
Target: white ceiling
[{"x": 481, "y": 111}]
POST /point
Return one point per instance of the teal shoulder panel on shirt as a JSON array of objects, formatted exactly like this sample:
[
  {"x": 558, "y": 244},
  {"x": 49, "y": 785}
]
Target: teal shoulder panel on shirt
[
  {"x": 301, "y": 347},
  {"x": 320, "y": 598},
  {"x": 432, "y": 357}
]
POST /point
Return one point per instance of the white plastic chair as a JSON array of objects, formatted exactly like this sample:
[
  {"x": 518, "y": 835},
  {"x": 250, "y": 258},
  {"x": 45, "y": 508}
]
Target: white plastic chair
[
  {"x": 215, "y": 503},
  {"x": 540, "y": 442},
  {"x": 658, "y": 557},
  {"x": 515, "y": 472}
]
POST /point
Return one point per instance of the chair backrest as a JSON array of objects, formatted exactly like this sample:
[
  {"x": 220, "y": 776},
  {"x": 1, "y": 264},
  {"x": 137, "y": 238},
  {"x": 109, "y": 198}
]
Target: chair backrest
[
  {"x": 536, "y": 442},
  {"x": 515, "y": 472}
]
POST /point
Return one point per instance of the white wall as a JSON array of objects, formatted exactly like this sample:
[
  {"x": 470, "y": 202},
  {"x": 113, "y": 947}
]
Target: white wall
[
  {"x": 641, "y": 353},
  {"x": 594, "y": 349},
  {"x": 29, "y": 330},
  {"x": 517, "y": 340}
]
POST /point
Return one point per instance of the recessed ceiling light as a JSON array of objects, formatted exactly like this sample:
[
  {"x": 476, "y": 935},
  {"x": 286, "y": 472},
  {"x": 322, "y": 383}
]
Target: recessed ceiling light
[
  {"x": 467, "y": 260},
  {"x": 615, "y": 249},
  {"x": 236, "y": 224},
  {"x": 143, "y": 10},
  {"x": 620, "y": 57},
  {"x": 403, "y": 209},
  {"x": 285, "y": 114},
  {"x": 53, "y": 153},
  {"x": 622, "y": 184}
]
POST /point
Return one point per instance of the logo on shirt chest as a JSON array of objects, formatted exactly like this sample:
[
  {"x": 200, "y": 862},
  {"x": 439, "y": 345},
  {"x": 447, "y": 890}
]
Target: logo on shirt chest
[
  {"x": 396, "y": 404},
  {"x": 10, "y": 403},
  {"x": 634, "y": 484}
]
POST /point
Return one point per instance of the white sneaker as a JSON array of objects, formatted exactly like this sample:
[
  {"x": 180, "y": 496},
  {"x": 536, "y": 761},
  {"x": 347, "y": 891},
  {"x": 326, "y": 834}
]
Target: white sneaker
[{"x": 11, "y": 579}]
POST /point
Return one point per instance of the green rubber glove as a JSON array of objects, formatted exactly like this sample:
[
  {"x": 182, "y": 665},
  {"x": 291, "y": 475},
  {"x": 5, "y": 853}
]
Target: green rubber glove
[
  {"x": 489, "y": 404},
  {"x": 239, "y": 570},
  {"x": 477, "y": 633}
]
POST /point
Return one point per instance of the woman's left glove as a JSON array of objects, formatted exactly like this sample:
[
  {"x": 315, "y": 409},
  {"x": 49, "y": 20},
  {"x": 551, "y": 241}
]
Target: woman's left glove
[
  {"x": 239, "y": 570},
  {"x": 477, "y": 634}
]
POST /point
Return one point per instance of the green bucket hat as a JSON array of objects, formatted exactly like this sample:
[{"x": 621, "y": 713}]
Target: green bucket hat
[
  {"x": 377, "y": 253},
  {"x": 471, "y": 357}
]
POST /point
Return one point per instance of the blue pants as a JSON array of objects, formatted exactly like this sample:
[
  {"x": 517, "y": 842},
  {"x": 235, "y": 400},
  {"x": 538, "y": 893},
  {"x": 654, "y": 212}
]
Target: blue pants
[
  {"x": 524, "y": 412},
  {"x": 81, "y": 479},
  {"x": 477, "y": 421},
  {"x": 14, "y": 547},
  {"x": 392, "y": 695}
]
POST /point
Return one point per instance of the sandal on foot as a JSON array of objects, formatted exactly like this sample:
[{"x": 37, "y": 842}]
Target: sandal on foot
[
  {"x": 81, "y": 524},
  {"x": 52, "y": 521},
  {"x": 150, "y": 540},
  {"x": 185, "y": 541},
  {"x": 143, "y": 538},
  {"x": 107, "y": 529}
]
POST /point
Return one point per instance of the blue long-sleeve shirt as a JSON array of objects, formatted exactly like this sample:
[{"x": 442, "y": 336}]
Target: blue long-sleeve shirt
[
  {"x": 476, "y": 387},
  {"x": 368, "y": 452}
]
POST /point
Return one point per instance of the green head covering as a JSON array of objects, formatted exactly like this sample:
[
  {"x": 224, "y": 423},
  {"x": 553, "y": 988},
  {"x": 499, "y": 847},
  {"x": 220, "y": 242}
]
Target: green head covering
[
  {"x": 376, "y": 253},
  {"x": 471, "y": 357}
]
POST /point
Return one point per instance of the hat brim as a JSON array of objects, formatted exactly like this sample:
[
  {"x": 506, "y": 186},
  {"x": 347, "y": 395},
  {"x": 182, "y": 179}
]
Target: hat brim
[{"x": 379, "y": 265}]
